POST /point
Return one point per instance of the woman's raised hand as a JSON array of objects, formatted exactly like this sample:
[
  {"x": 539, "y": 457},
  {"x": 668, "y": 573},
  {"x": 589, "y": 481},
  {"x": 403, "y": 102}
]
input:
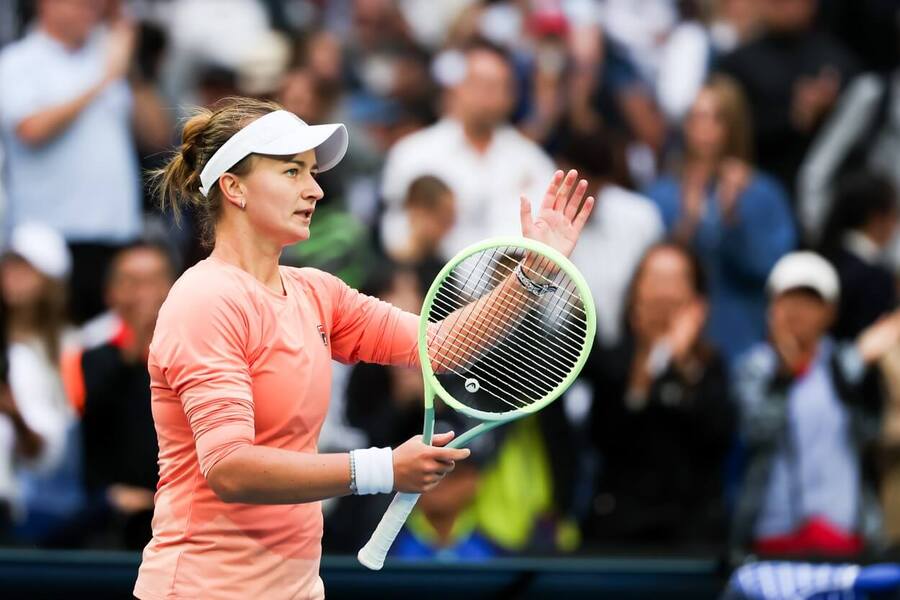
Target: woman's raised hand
[{"x": 562, "y": 214}]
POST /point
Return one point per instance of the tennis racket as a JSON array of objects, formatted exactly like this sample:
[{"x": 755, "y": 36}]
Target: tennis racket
[{"x": 505, "y": 328}]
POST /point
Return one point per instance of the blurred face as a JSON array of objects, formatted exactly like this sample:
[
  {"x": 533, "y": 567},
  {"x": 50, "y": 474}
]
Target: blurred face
[
  {"x": 455, "y": 493},
  {"x": 22, "y": 284},
  {"x": 298, "y": 96},
  {"x": 787, "y": 15},
  {"x": 662, "y": 289},
  {"x": 281, "y": 195},
  {"x": 138, "y": 285},
  {"x": 433, "y": 224},
  {"x": 485, "y": 97},
  {"x": 374, "y": 22},
  {"x": 802, "y": 314},
  {"x": 883, "y": 228},
  {"x": 71, "y": 20},
  {"x": 325, "y": 59},
  {"x": 705, "y": 132}
]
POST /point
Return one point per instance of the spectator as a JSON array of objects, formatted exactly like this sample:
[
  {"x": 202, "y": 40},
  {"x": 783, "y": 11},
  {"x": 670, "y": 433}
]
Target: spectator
[
  {"x": 118, "y": 436},
  {"x": 32, "y": 277},
  {"x": 661, "y": 417},
  {"x": 582, "y": 78},
  {"x": 623, "y": 225},
  {"x": 484, "y": 160},
  {"x": 734, "y": 216},
  {"x": 431, "y": 212},
  {"x": 66, "y": 125},
  {"x": 804, "y": 423},
  {"x": 18, "y": 441},
  {"x": 792, "y": 75},
  {"x": 857, "y": 234}
]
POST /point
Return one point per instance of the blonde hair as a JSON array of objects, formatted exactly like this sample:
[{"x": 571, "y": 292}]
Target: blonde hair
[
  {"x": 178, "y": 183},
  {"x": 735, "y": 115}
]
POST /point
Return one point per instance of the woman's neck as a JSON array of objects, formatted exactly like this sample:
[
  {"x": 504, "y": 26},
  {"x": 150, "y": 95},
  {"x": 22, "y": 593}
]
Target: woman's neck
[{"x": 252, "y": 253}]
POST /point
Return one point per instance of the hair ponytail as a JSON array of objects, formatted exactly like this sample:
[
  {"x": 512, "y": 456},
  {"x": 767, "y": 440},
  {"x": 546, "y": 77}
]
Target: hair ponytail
[{"x": 178, "y": 183}]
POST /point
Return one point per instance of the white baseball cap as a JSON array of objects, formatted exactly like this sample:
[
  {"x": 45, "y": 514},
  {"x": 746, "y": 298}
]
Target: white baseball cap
[
  {"x": 279, "y": 133},
  {"x": 43, "y": 248},
  {"x": 804, "y": 270}
]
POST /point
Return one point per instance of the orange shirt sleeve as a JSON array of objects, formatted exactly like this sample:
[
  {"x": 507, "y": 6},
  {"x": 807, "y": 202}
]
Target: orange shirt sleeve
[
  {"x": 370, "y": 330},
  {"x": 200, "y": 348}
]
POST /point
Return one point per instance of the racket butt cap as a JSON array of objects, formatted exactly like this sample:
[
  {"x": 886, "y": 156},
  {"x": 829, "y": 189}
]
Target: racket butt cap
[{"x": 367, "y": 560}]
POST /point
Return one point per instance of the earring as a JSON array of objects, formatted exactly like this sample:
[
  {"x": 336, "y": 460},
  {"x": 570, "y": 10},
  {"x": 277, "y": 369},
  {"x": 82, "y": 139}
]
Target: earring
[{"x": 243, "y": 204}]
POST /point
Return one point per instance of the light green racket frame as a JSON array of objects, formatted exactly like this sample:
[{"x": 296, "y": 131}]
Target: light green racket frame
[{"x": 372, "y": 555}]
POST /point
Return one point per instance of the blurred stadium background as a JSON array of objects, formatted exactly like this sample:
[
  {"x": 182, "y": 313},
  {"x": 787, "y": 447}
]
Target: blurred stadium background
[{"x": 724, "y": 417}]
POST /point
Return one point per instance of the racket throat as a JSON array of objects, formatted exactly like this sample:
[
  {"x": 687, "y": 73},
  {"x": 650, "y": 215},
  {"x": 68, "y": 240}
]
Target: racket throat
[{"x": 428, "y": 425}]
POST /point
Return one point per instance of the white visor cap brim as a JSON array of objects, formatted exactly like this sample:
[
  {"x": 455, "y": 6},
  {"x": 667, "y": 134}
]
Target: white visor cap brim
[
  {"x": 279, "y": 133},
  {"x": 330, "y": 142}
]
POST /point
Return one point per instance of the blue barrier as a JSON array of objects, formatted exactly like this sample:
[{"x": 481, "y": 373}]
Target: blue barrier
[{"x": 37, "y": 575}]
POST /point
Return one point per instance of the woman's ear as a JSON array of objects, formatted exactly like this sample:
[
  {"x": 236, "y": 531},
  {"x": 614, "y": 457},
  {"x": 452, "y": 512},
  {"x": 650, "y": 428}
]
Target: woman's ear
[{"x": 232, "y": 189}]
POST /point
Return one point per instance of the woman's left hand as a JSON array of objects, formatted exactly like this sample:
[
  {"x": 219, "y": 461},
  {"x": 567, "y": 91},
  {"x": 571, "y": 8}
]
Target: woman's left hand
[{"x": 559, "y": 221}]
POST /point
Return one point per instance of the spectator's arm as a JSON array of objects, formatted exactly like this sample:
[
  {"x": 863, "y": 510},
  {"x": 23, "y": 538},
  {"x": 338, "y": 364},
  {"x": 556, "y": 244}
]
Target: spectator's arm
[
  {"x": 762, "y": 232},
  {"x": 850, "y": 120},
  {"x": 41, "y": 127},
  {"x": 760, "y": 391}
]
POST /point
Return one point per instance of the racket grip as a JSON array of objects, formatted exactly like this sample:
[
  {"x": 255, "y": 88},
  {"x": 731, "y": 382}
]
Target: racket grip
[{"x": 372, "y": 555}]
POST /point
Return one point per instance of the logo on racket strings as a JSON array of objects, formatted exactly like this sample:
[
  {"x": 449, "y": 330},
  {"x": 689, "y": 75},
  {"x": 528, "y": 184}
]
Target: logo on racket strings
[{"x": 472, "y": 385}]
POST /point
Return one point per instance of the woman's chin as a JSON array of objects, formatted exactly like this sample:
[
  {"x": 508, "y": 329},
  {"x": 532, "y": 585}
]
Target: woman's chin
[{"x": 297, "y": 235}]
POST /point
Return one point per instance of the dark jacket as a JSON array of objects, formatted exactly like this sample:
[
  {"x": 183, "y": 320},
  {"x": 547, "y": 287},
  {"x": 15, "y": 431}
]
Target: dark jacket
[{"x": 661, "y": 473}]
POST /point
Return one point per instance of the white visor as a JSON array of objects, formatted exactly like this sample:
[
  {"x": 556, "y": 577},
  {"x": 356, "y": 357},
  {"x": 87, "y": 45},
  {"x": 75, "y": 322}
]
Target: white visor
[{"x": 279, "y": 133}]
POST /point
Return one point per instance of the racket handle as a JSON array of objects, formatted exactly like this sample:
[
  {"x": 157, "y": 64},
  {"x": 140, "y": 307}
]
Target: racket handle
[{"x": 372, "y": 555}]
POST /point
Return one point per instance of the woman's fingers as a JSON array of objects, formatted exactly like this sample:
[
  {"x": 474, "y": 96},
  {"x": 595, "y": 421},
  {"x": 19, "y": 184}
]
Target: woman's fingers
[
  {"x": 571, "y": 206},
  {"x": 525, "y": 215},
  {"x": 552, "y": 190},
  {"x": 562, "y": 196},
  {"x": 582, "y": 216},
  {"x": 442, "y": 439}
]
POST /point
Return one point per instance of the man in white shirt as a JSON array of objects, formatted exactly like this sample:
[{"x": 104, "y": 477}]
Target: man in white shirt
[
  {"x": 485, "y": 161},
  {"x": 65, "y": 124},
  {"x": 621, "y": 228}
]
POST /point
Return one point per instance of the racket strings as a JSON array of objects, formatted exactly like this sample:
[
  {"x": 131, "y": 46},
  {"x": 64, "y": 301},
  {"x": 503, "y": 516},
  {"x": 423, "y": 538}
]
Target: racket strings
[
  {"x": 453, "y": 279},
  {"x": 576, "y": 304},
  {"x": 562, "y": 359},
  {"x": 505, "y": 347},
  {"x": 504, "y": 271},
  {"x": 504, "y": 297}
]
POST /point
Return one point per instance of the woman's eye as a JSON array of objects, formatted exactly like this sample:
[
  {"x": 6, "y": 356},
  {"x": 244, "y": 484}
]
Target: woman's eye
[{"x": 292, "y": 172}]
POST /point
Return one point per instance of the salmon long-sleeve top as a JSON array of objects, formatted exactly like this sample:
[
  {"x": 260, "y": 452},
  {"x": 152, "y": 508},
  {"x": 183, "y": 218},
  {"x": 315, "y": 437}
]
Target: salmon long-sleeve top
[{"x": 233, "y": 364}]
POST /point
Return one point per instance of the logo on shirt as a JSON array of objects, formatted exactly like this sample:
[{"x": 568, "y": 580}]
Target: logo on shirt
[{"x": 324, "y": 335}]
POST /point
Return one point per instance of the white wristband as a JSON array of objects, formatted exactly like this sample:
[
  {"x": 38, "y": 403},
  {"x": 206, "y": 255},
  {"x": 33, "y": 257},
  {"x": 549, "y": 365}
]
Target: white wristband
[{"x": 374, "y": 470}]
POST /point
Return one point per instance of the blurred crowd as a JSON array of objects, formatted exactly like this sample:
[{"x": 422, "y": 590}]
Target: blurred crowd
[{"x": 744, "y": 391}]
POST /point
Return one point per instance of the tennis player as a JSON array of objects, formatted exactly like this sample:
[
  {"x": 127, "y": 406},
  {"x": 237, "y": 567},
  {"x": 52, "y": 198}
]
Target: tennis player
[{"x": 240, "y": 364}]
